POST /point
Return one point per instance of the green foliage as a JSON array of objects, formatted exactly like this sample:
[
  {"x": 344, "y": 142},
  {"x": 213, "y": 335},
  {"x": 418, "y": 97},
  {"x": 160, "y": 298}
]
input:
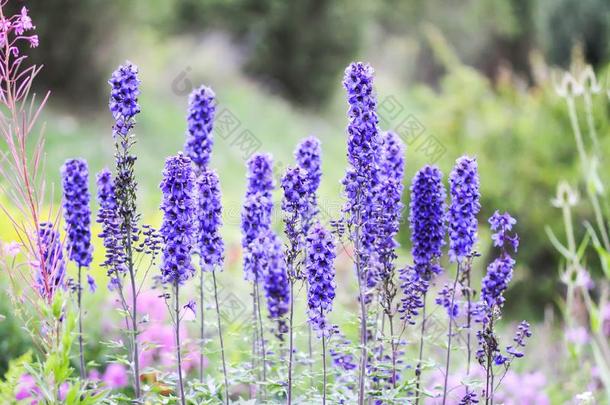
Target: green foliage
[
  {"x": 9, "y": 382},
  {"x": 13, "y": 339}
]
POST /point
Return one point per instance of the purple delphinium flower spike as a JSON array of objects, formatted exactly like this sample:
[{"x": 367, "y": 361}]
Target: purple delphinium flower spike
[
  {"x": 427, "y": 221},
  {"x": 308, "y": 157},
  {"x": 209, "y": 221},
  {"x": 260, "y": 174},
  {"x": 77, "y": 214},
  {"x": 124, "y": 94},
  {"x": 500, "y": 271},
  {"x": 320, "y": 270},
  {"x": 177, "y": 228},
  {"x": 390, "y": 205},
  {"x": 254, "y": 223},
  {"x": 50, "y": 274},
  {"x": 201, "y": 112},
  {"x": 108, "y": 218},
  {"x": 464, "y": 208},
  {"x": 276, "y": 283},
  {"x": 295, "y": 204}
]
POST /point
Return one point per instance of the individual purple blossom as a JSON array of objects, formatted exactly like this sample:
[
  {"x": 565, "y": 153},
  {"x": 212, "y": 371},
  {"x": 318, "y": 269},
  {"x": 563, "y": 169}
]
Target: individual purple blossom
[
  {"x": 413, "y": 288},
  {"x": 177, "y": 229},
  {"x": 77, "y": 214},
  {"x": 200, "y": 120},
  {"x": 276, "y": 283},
  {"x": 470, "y": 398},
  {"x": 320, "y": 270},
  {"x": 209, "y": 220},
  {"x": 51, "y": 270},
  {"x": 464, "y": 208},
  {"x": 124, "y": 94},
  {"x": 427, "y": 221}
]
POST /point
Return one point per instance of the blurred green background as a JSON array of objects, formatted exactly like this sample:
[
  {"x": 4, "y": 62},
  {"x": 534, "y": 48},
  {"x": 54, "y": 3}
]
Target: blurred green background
[{"x": 477, "y": 76}]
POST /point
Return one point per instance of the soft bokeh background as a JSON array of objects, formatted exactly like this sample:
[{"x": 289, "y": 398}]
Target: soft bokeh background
[{"x": 477, "y": 75}]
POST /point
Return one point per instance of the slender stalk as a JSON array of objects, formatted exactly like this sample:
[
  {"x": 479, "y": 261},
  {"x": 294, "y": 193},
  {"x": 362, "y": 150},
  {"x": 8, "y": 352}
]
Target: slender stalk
[
  {"x": 363, "y": 338},
  {"x": 222, "y": 347},
  {"x": 262, "y": 337},
  {"x": 421, "y": 352},
  {"x": 202, "y": 326},
  {"x": 393, "y": 344},
  {"x": 449, "y": 338},
  {"x": 324, "y": 369},
  {"x": 178, "y": 355},
  {"x": 254, "y": 332},
  {"x": 468, "y": 321},
  {"x": 290, "y": 341},
  {"x": 80, "y": 326},
  {"x": 310, "y": 354}
]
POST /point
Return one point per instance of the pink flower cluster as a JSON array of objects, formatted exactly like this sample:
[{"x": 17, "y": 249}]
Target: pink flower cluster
[
  {"x": 515, "y": 389},
  {"x": 14, "y": 30},
  {"x": 158, "y": 336}
]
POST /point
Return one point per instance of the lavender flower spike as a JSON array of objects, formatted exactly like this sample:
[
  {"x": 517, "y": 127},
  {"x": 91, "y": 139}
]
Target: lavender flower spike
[
  {"x": 307, "y": 156},
  {"x": 295, "y": 203},
  {"x": 111, "y": 229},
  {"x": 464, "y": 208},
  {"x": 50, "y": 273},
  {"x": 77, "y": 214},
  {"x": 209, "y": 220},
  {"x": 320, "y": 270},
  {"x": 255, "y": 222},
  {"x": 124, "y": 94},
  {"x": 260, "y": 174},
  {"x": 177, "y": 228},
  {"x": 276, "y": 283},
  {"x": 201, "y": 112},
  {"x": 427, "y": 221}
]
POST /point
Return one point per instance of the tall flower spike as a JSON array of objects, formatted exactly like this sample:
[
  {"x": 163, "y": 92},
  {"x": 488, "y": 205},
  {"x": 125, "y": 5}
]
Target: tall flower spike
[
  {"x": 201, "y": 112},
  {"x": 177, "y": 228},
  {"x": 295, "y": 203},
  {"x": 276, "y": 284},
  {"x": 108, "y": 218},
  {"x": 77, "y": 214},
  {"x": 320, "y": 270},
  {"x": 464, "y": 208},
  {"x": 124, "y": 94},
  {"x": 255, "y": 222},
  {"x": 308, "y": 158},
  {"x": 209, "y": 220},
  {"x": 50, "y": 273},
  {"x": 427, "y": 221},
  {"x": 260, "y": 174}
]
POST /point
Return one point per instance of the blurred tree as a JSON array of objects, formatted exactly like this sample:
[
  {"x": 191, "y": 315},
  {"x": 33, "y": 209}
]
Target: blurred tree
[{"x": 562, "y": 23}]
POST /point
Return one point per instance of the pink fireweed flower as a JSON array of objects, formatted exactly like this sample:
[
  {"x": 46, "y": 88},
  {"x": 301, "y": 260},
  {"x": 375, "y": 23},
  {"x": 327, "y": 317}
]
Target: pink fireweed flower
[
  {"x": 27, "y": 388},
  {"x": 115, "y": 376}
]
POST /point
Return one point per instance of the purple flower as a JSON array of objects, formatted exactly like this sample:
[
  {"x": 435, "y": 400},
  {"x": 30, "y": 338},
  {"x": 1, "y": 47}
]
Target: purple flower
[
  {"x": 111, "y": 233},
  {"x": 500, "y": 271},
  {"x": 308, "y": 158},
  {"x": 502, "y": 224},
  {"x": 276, "y": 284},
  {"x": 413, "y": 288},
  {"x": 444, "y": 299},
  {"x": 177, "y": 228},
  {"x": 523, "y": 332},
  {"x": 462, "y": 215},
  {"x": 77, "y": 214},
  {"x": 295, "y": 203},
  {"x": 115, "y": 376},
  {"x": 390, "y": 205},
  {"x": 427, "y": 221},
  {"x": 209, "y": 219},
  {"x": 260, "y": 174},
  {"x": 201, "y": 112},
  {"x": 91, "y": 283},
  {"x": 52, "y": 268},
  {"x": 255, "y": 221},
  {"x": 124, "y": 94},
  {"x": 320, "y": 270}
]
